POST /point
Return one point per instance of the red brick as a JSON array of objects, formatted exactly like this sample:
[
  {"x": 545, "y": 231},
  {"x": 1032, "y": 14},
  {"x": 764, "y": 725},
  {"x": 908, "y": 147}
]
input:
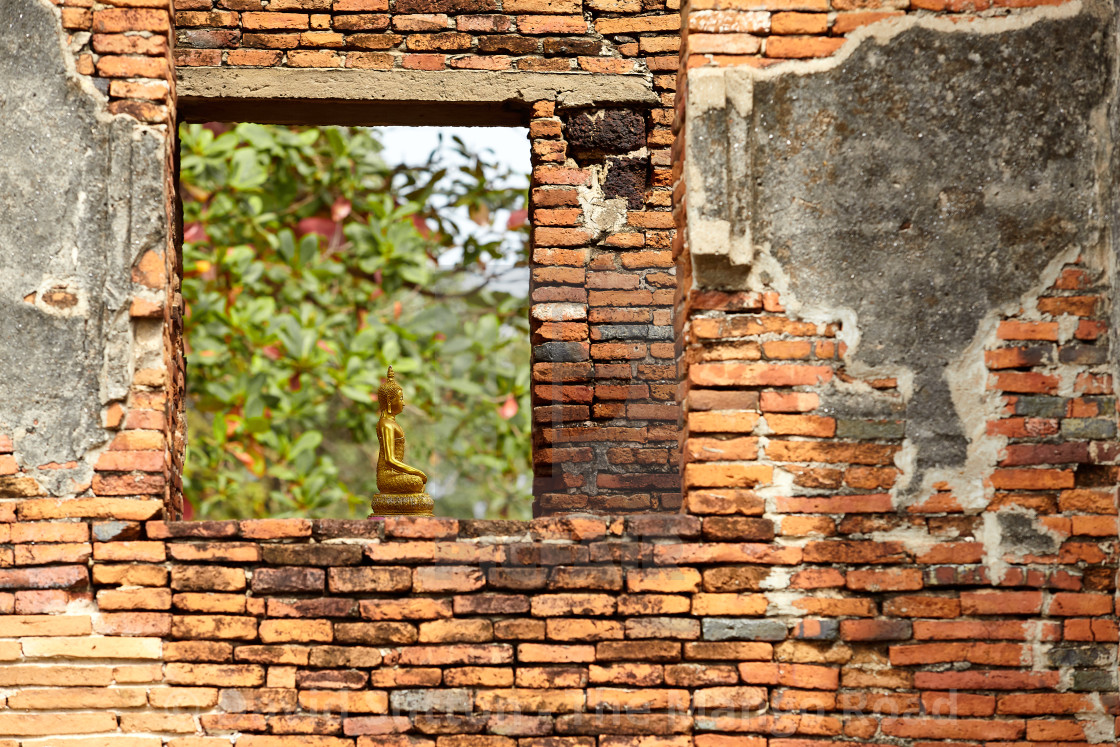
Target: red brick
[
  {"x": 133, "y": 67},
  {"x": 901, "y": 579},
  {"x": 1017, "y": 330},
  {"x": 757, "y": 374},
  {"x": 1033, "y": 704},
  {"x": 1070, "y": 604},
  {"x": 801, "y": 46},
  {"x": 1001, "y": 602},
  {"x": 980, "y": 729},
  {"x": 957, "y": 704},
  {"x": 1031, "y": 479},
  {"x": 1025, "y": 382},
  {"x": 789, "y": 401},
  {"x": 989, "y": 629}
]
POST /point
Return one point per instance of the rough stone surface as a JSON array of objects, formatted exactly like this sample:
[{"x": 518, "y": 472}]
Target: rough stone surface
[
  {"x": 626, "y": 178},
  {"x": 80, "y": 206},
  {"x": 912, "y": 191},
  {"x": 606, "y": 131}
]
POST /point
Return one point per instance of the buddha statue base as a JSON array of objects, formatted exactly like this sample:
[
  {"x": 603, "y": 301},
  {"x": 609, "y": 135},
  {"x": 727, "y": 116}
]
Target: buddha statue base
[{"x": 402, "y": 504}]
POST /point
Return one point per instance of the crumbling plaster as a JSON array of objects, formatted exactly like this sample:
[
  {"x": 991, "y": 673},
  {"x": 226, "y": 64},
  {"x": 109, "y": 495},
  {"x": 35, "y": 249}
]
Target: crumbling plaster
[
  {"x": 930, "y": 177},
  {"x": 82, "y": 202}
]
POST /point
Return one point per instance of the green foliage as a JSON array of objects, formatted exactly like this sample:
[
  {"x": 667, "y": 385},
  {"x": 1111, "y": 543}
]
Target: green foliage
[{"x": 309, "y": 266}]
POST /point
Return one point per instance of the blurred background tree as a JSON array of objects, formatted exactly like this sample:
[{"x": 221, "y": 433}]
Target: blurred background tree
[{"x": 309, "y": 266}]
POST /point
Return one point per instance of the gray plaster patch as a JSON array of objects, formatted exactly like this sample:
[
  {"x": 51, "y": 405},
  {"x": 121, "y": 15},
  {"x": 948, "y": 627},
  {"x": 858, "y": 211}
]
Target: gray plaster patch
[
  {"x": 735, "y": 628},
  {"x": 453, "y": 700},
  {"x": 927, "y": 181},
  {"x": 82, "y": 199}
]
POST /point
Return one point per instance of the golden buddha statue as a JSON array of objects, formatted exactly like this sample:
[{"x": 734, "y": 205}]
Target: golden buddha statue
[{"x": 402, "y": 487}]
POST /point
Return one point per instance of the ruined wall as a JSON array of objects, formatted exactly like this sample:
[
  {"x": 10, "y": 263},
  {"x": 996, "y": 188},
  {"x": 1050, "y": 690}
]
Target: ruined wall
[
  {"x": 87, "y": 268},
  {"x": 896, "y": 269},
  {"x": 605, "y": 416},
  {"x": 899, "y": 488}
]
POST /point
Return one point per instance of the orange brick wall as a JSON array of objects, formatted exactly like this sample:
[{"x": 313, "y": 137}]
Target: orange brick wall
[
  {"x": 602, "y": 282},
  {"x": 940, "y": 638},
  {"x": 761, "y": 617}
]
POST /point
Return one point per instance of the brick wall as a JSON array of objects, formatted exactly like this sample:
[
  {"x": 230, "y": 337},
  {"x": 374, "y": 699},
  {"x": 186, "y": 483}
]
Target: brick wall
[
  {"x": 119, "y": 54},
  {"x": 573, "y": 632},
  {"x": 602, "y": 276},
  {"x": 798, "y": 602},
  {"x": 607, "y": 37},
  {"x": 951, "y": 623}
]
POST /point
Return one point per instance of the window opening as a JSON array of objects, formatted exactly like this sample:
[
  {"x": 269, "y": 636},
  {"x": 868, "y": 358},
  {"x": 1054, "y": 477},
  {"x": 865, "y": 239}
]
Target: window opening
[{"x": 314, "y": 258}]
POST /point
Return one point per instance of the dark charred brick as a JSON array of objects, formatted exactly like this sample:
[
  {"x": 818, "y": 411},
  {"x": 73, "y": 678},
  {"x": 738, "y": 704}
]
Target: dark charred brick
[
  {"x": 521, "y": 579},
  {"x": 288, "y": 580},
  {"x": 507, "y": 44},
  {"x": 197, "y": 529},
  {"x": 606, "y": 131},
  {"x": 345, "y": 656},
  {"x": 444, "y": 6},
  {"x": 560, "y": 352},
  {"x": 957, "y": 575},
  {"x": 817, "y": 630},
  {"x": 332, "y": 679},
  {"x": 569, "y": 47},
  {"x": 357, "y": 528},
  {"x": 437, "y": 723},
  {"x": 540, "y": 554},
  {"x": 474, "y": 528},
  {"x": 491, "y": 604},
  {"x": 1095, "y": 476},
  {"x": 875, "y": 630},
  {"x": 1085, "y": 355},
  {"x": 620, "y": 552},
  {"x": 954, "y": 526},
  {"x": 1099, "y": 579},
  {"x": 375, "y": 633},
  {"x": 663, "y": 525},
  {"x": 626, "y": 178},
  {"x": 332, "y": 555},
  {"x": 1079, "y": 656}
]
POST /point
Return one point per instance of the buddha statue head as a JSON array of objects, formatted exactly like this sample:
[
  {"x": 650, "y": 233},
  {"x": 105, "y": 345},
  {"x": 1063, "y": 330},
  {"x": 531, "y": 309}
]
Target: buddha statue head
[{"x": 390, "y": 396}]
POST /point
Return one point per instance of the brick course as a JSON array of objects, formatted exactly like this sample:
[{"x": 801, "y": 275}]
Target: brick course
[{"x": 583, "y": 630}]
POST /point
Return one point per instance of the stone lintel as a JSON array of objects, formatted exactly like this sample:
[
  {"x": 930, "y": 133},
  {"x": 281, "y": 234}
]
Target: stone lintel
[{"x": 393, "y": 97}]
